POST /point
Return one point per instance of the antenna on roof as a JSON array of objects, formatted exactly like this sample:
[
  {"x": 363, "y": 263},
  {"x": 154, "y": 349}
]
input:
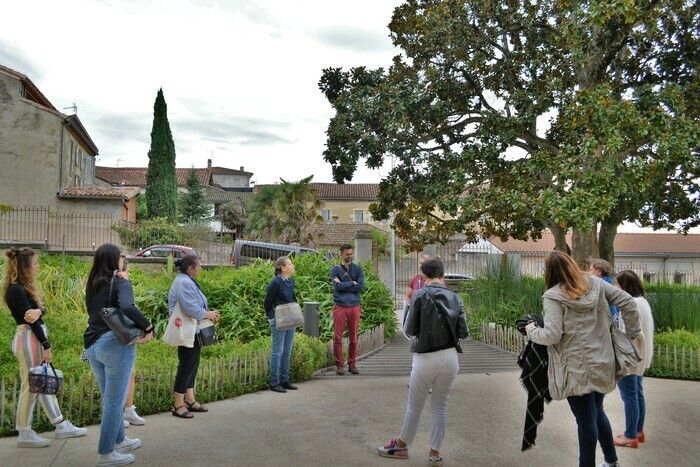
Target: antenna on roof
[
  {"x": 118, "y": 161},
  {"x": 74, "y": 107}
]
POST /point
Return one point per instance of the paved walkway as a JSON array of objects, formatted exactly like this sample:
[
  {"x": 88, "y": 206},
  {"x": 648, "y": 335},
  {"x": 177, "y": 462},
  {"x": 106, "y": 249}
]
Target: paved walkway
[
  {"x": 338, "y": 421},
  {"x": 395, "y": 359}
]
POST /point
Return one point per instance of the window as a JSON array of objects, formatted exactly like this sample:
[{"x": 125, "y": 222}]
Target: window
[
  {"x": 649, "y": 276},
  {"x": 326, "y": 214},
  {"x": 78, "y": 155},
  {"x": 359, "y": 216},
  {"x": 76, "y": 180},
  {"x": 679, "y": 277},
  {"x": 70, "y": 152}
]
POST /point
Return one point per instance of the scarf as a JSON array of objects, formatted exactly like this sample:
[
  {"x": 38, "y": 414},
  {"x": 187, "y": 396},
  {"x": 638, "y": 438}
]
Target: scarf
[{"x": 533, "y": 361}]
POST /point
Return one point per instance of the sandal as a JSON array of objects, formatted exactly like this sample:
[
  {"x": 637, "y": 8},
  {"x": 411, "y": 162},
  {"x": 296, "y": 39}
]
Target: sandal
[
  {"x": 199, "y": 408},
  {"x": 185, "y": 414}
]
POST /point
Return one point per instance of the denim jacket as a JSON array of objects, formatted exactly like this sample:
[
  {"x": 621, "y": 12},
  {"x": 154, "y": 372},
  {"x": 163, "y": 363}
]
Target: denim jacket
[{"x": 185, "y": 290}]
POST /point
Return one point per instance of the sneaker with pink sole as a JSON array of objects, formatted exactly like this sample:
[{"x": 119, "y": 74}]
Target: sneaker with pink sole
[{"x": 392, "y": 449}]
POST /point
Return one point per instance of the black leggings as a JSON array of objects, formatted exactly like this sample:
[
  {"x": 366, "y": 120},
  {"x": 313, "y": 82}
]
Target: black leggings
[{"x": 187, "y": 367}]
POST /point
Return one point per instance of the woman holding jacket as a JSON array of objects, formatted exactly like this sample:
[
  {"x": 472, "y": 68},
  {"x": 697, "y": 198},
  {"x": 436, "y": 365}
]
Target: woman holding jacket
[
  {"x": 31, "y": 347},
  {"x": 436, "y": 321},
  {"x": 112, "y": 362},
  {"x": 280, "y": 291},
  {"x": 577, "y": 333},
  {"x": 185, "y": 291}
]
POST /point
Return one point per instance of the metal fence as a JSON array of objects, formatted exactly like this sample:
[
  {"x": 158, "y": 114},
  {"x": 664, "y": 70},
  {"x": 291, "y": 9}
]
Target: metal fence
[
  {"x": 668, "y": 361},
  {"x": 56, "y": 231}
]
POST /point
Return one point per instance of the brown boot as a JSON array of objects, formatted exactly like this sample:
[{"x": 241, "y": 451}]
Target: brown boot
[
  {"x": 340, "y": 370},
  {"x": 354, "y": 370}
]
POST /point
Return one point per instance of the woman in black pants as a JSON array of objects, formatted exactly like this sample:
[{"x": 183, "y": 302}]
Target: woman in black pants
[{"x": 185, "y": 291}]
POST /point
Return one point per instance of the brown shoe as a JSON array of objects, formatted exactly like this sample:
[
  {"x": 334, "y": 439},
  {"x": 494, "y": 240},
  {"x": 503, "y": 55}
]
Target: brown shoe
[
  {"x": 339, "y": 370},
  {"x": 354, "y": 370}
]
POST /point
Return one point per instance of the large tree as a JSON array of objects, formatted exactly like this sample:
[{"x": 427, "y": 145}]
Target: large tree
[
  {"x": 508, "y": 117},
  {"x": 161, "y": 180},
  {"x": 286, "y": 212},
  {"x": 193, "y": 205}
]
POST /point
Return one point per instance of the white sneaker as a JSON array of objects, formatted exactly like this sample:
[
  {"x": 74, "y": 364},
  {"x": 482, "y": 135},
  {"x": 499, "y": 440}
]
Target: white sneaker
[
  {"x": 29, "y": 439},
  {"x": 129, "y": 444},
  {"x": 132, "y": 417},
  {"x": 126, "y": 424},
  {"x": 66, "y": 429},
  {"x": 115, "y": 458}
]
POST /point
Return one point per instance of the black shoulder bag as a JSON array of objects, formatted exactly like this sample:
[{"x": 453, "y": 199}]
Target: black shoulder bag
[
  {"x": 445, "y": 315},
  {"x": 121, "y": 325}
]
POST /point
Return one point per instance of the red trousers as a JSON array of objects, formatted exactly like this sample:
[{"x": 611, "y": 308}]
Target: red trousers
[{"x": 343, "y": 315}]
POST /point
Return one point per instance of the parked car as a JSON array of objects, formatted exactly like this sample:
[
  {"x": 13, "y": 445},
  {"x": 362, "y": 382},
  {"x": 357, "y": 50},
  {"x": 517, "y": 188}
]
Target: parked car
[
  {"x": 163, "y": 251},
  {"x": 454, "y": 281},
  {"x": 246, "y": 251}
]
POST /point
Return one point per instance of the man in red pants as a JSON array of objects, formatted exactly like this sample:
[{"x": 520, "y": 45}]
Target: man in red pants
[{"x": 348, "y": 282}]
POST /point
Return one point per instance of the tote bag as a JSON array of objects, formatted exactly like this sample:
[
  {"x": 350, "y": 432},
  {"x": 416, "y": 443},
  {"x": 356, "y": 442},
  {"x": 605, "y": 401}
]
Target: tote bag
[
  {"x": 181, "y": 329},
  {"x": 288, "y": 316}
]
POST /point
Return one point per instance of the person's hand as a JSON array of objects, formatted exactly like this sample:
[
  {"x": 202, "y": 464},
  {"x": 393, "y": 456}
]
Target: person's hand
[
  {"x": 123, "y": 275},
  {"x": 32, "y": 315},
  {"x": 336, "y": 280},
  {"x": 354, "y": 283},
  {"x": 47, "y": 355},
  {"x": 146, "y": 338},
  {"x": 213, "y": 315},
  {"x": 530, "y": 326}
]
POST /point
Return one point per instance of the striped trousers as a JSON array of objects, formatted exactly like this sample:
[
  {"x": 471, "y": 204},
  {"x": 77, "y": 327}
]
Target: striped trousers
[{"x": 29, "y": 353}]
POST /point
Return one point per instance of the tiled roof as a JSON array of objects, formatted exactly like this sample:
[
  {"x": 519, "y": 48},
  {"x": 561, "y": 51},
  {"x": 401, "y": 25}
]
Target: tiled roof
[
  {"x": 349, "y": 191},
  {"x": 625, "y": 243},
  {"x": 99, "y": 192},
  {"x": 335, "y": 234},
  {"x": 216, "y": 195},
  {"x": 136, "y": 176},
  {"x": 227, "y": 171}
]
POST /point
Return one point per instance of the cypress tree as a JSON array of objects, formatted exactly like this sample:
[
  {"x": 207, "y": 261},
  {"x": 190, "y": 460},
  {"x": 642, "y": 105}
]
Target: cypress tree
[
  {"x": 193, "y": 204},
  {"x": 161, "y": 181}
]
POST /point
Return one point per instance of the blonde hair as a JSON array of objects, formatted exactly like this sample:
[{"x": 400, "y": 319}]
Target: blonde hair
[
  {"x": 17, "y": 272},
  {"x": 280, "y": 263},
  {"x": 561, "y": 269}
]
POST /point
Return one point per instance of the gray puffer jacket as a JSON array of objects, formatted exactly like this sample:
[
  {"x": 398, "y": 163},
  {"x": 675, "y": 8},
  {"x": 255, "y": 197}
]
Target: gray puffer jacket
[
  {"x": 577, "y": 333},
  {"x": 430, "y": 326}
]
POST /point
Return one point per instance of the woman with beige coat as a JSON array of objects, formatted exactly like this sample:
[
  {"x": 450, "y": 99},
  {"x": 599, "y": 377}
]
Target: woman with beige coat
[{"x": 577, "y": 334}]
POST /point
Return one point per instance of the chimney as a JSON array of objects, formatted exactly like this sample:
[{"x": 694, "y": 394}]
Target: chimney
[
  {"x": 242, "y": 169},
  {"x": 209, "y": 164}
]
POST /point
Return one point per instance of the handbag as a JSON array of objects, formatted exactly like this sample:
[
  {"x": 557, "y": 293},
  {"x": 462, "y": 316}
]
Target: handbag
[
  {"x": 627, "y": 357},
  {"x": 453, "y": 333},
  {"x": 42, "y": 382},
  {"x": 206, "y": 333},
  {"x": 121, "y": 325},
  {"x": 288, "y": 316},
  {"x": 181, "y": 329}
]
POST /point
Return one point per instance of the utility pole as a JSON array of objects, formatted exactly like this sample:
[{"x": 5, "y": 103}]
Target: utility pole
[{"x": 392, "y": 254}]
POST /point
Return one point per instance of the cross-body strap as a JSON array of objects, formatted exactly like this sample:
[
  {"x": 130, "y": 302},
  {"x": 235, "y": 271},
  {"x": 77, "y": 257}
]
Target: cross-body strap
[
  {"x": 440, "y": 310},
  {"x": 111, "y": 291}
]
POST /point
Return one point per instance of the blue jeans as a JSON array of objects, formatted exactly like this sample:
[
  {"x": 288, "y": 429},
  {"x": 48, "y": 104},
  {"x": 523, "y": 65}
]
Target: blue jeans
[
  {"x": 632, "y": 395},
  {"x": 280, "y": 354},
  {"x": 112, "y": 363},
  {"x": 593, "y": 427}
]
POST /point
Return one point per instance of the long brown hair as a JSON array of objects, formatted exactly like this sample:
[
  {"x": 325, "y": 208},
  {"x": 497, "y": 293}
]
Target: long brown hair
[
  {"x": 19, "y": 261},
  {"x": 561, "y": 269}
]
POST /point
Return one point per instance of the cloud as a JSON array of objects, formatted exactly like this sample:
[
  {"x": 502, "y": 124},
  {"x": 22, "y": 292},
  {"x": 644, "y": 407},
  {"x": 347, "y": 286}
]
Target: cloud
[
  {"x": 12, "y": 57},
  {"x": 233, "y": 130},
  {"x": 351, "y": 38},
  {"x": 249, "y": 9}
]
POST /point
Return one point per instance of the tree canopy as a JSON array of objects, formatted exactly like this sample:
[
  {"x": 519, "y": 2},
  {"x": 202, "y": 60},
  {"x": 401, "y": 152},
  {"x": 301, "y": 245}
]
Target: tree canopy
[
  {"x": 193, "y": 205},
  {"x": 286, "y": 212},
  {"x": 508, "y": 117},
  {"x": 161, "y": 180}
]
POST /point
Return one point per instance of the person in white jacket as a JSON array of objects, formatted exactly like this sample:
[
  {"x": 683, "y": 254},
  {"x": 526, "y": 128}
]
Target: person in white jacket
[{"x": 631, "y": 389}]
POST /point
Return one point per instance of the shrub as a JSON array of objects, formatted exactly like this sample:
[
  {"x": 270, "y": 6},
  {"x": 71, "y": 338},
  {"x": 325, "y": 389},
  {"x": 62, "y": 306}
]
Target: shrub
[{"x": 678, "y": 338}]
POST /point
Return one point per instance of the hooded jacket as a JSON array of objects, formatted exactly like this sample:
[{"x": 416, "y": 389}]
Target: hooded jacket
[{"x": 577, "y": 333}]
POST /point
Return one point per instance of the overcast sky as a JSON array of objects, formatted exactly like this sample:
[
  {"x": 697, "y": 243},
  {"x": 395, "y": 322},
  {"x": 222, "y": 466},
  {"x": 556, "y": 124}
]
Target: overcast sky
[{"x": 239, "y": 76}]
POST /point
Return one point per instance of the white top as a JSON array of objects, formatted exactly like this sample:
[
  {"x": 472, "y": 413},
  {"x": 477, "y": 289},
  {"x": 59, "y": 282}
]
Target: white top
[{"x": 646, "y": 322}]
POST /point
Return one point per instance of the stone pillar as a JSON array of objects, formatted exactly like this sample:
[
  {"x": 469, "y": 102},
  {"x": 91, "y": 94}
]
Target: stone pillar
[{"x": 363, "y": 246}]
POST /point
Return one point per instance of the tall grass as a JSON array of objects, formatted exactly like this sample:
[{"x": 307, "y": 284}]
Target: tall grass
[{"x": 505, "y": 299}]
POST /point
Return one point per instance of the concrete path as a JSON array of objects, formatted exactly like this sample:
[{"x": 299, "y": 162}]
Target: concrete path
[{"x": 338, "y": 421}]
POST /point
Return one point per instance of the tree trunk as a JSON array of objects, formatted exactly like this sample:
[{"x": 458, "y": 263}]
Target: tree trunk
[
  {"x": 559, "y": 238},
  {"x": 584, "y": 245},
  {"x": 606, "y": 237}
]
